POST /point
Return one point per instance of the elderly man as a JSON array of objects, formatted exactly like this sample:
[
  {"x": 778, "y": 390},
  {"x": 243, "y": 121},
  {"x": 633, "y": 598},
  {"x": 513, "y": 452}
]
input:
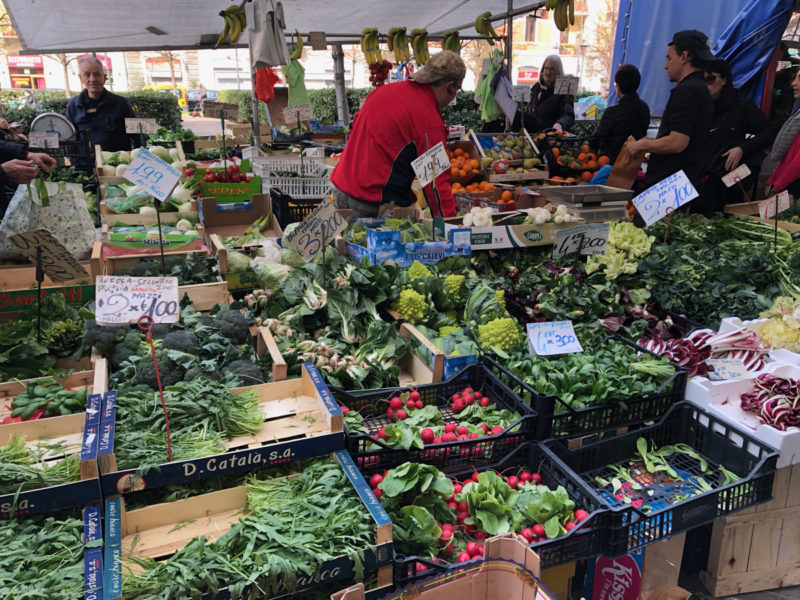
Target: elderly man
[{"x": 100, "y": 111}]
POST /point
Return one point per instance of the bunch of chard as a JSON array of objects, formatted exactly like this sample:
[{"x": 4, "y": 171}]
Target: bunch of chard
[{"x": 776, "y": 400}]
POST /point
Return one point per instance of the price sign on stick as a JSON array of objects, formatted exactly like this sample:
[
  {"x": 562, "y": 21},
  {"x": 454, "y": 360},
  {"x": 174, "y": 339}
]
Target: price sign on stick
[
  {"x": 431, "y": 164},
  {"x": 215, "y": 110},
  {"x": 521, "y": 93},
  {"x": 316, "y": 231},
  {"x": 317, "y": 40},
  {"x": 727, "y": 368},
  {"x": 305, "y": 112},
  {"x": 146, "y": 125},
  {"x": 774, "y": 204},
  {"x": 122, "y": 300},
  {"x": 43, "y": 139},
  {"x": 553, "y": 337},
  {"x": 670, "y": 193},
  {"x": 57, "y": 262},
  {"x": 735, "y": 176},
  {"x": 157, "y": 177},
  {"x": 566, "y": 84},
  {"x": 588, "y": 239}
]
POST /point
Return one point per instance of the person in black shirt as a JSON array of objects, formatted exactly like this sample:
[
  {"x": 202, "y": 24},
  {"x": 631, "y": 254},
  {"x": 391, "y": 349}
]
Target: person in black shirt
[
  {"x": 727, "y": 146},
  {"x": 628, "y": 117},
  {"x": 685, "y": 122},
  {"x": 547, "y": 110}
]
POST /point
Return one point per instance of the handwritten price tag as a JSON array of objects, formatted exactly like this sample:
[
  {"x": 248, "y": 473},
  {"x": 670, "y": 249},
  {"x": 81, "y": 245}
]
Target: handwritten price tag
[
  {"x": 431, "y": 164},
  {"x": 147, "y": 126},
  {"x": 521, "y": 93},
  {"x": 553, "y": 337},
  {"x": 566, "y": 84},
  {"x": 57, "y": 262},
  {"x": 218, "y": 109},
  {"x": 774, "y": 205},
  {"x": 302, "y": 112},
  {"x": 673, "y": 192},
  {"x": 157, "y": 177},
  {"x": 122, "y": 300},
  {"x": 588, "y": 239},
  {"x": 316, "y": 231},
  {"x": 726, "y": 368},
  {"x": 736, "y": 175},
  {"x": 43, "y": 139},
  {"x": 317, "y": 40}
]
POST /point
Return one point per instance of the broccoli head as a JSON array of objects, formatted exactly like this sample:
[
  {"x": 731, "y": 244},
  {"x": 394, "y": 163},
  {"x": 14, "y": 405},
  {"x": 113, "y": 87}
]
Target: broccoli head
[
  {"x": 233, "y": 325},
  {"x": 196, "y": 371},
  {"x": 245, "y": 372},
  {"x": 180, "y": 340},
  {"x": 103, "y": 338},
  {"x": 169, "y": 371},
  {"x": 129, "y": 346}
]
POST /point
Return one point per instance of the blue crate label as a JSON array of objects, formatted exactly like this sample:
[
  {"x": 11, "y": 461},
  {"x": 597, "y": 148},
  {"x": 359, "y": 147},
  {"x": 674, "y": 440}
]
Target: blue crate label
[
  {"x": 93, "y": 569},
  {"x": 178, "y": 472},
  {"x": 93, "y": 407},
  {"x": 695, "y": 512},
  {"x": 92, "y": 526},
  {"x": 661, "y": 199},
  {"x": 47, "y": 500},
  {"x": 356, "y": 252},
  {"x": 614, "y": 579},
  {"x": 109, "y": 405},
  {"x": 108, "y": 419},
  {"x": 93, "y": 594},
  {"x": 90, "y": 440},
  {"x": 235, "y": 207},
  {"x": 113, "y": 521},
  {"x": 364, "y": 492},
  {"x": 455, "y": 364},
  {"x": 322, "y": 388},
  {"x": 552, "y": 337},
  {"x": 112, "y": 571}
]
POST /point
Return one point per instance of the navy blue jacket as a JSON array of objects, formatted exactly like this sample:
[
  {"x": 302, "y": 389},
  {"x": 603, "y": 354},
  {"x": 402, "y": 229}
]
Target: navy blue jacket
[{"x": 105, "y": 117}]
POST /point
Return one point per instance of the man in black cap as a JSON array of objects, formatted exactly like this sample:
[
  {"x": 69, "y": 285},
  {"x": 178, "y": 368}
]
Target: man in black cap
[{"x": 687, "y": 115}]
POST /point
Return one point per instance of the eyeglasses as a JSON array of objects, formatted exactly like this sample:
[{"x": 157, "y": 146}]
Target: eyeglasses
[{"x": 711, "y": 78}]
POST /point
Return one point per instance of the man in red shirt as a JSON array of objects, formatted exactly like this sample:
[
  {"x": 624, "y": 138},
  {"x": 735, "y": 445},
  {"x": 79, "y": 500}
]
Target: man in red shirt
[{"x": 398, "y": 123}]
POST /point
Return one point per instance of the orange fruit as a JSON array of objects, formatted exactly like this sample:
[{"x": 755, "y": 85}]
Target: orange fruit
[
  {"x": 586, "y": 148},
  {"x": 592, "y": 165},
  {"x": 603, "y": 160},
  {"x": 462, "y": 173},
  {"x": 453, "y": 171},
  {"x": 474, "y": 162},
  {"x": 506, "y": 195},
  {"x": 586, "y": 176},
  {"x": 591, "y": 156},
  {"x": 582, "y": 156},
  {"x": 556, "y": 152},
  {"x": 557, "y": 178},
  {"x": 489, "y": 186},
  {"x": 458, "y": 152}
]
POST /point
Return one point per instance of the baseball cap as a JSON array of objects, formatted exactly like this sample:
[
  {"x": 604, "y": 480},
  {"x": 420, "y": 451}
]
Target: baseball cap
[
  {"x": 444, "y": 65},
  {"x": 692, "y": 39}
]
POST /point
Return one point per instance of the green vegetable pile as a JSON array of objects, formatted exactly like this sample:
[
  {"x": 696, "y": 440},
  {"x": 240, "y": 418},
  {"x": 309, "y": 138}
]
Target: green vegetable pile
[
  {"x": 194, "y": 268},
  {"x": 30, "y": 467},
  {"x": 49, "y": 397}
]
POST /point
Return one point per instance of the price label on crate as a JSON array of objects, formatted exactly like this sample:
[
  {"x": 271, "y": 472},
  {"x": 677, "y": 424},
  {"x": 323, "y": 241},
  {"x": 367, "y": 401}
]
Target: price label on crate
[
  {"x": 122, "y": 300},
  {"x": 431, "y": 164},
  {"x": 586, "y": 239},
  {"x": 553, "y": 337},
  {"x": 302, "y": 112},
  {"x": 566, "y": 85},
  {"x": 521, "y": 93},
  {"x": 738, "y": 174},
  {"x": 774, "y": 205},
  {"x": 146, "y": 125},
  {"x": 671, "y": 193},
  {"x": 57, "y": 262},
  {"x": 43, "y": 139},
  {"x": 157, "y": 177},
  {"x": 316, "y": 231},
  {"x": 219, "y": 109},
  {"x": 317, "y": 40},
  {"x": 726, "y": 368}
]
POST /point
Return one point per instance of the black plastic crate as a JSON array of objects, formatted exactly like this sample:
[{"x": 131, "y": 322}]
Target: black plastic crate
[
  {"x": 485, "y": 376},
  {"x": 604, "y": 417},
  {"x": 631, "y": 527},
  {"x": 289, "y": 210},
  {"x": 582, "y": 542}
]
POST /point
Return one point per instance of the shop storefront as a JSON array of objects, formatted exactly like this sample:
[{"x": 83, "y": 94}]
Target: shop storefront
[{"x": 26, "y": 72}]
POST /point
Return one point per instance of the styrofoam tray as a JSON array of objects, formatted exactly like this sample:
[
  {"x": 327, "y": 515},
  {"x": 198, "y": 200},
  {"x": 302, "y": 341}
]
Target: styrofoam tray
[
  {"x": 779, "y": 355},
  {"x": 722, "y": 399}
]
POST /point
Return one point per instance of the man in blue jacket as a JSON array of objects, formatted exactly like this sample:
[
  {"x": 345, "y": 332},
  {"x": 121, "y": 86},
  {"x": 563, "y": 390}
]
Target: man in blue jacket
[{"x": 100, "y": 111}]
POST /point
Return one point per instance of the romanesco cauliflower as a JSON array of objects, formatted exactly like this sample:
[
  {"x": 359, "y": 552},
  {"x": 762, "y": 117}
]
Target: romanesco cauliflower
[
  {"x": 500, "y": 296},
  {"x": 452, "y": 316},
  {"x": 453, "y": 283},
  {"x": 418, "y": 270},
  {"x": 448, "y": 329},
  {"x": 500, "y": 333},
  {"x": 411, "y": 305}
]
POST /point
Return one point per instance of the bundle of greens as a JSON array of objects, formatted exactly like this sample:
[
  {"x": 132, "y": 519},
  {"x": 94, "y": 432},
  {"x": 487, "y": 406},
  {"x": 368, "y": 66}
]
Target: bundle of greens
[
  {"x": 191, "y": 269},
  {"x": 27, "y": 467}
]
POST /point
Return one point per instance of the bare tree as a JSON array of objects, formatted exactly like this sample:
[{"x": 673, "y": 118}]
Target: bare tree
[
  {"x": 171, "y": 56},
  {"x": 598, "y": 56},
  {"x": 64, "y": 62}
]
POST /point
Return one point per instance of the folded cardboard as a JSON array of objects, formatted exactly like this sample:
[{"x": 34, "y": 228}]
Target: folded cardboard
[{"x": 503, "y": 233}]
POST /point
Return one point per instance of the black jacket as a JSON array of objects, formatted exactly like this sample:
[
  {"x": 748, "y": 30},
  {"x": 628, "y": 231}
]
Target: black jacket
[
  {"x": 8, "y": 151},
  {"x": 546, "y": 109},
  {"x": 629, "y": 117},
  {"x": 105, "y": 117}
]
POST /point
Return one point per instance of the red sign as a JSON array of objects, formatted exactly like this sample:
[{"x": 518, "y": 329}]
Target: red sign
[
  {"x": 527, "y": 75},
  {"x": 103, "y": 59},
  {"x": 20, "y": 61}
]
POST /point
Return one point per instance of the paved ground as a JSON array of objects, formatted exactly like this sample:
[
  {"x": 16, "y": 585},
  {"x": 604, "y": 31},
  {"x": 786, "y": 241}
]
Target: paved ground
[{"x": 201, "y": 126}]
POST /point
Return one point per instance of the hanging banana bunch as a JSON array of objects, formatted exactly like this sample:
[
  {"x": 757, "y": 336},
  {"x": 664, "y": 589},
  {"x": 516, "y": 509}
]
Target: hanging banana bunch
[
  {"x": 419, "y": 42},
  {"x": 451, "y": 41},
  {"x": 370, "y": 45},
  {"x": 298, "y": 50},
  {"x": 564, "y": 12},
  {"x": 483, "y": 25},
  {"x": 398, "y": 43},
  {"x": 235, "y": 23}
]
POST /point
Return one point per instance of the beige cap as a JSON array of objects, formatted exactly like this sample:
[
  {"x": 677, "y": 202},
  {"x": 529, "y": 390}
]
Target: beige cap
[{"x": 444, "y": 65}]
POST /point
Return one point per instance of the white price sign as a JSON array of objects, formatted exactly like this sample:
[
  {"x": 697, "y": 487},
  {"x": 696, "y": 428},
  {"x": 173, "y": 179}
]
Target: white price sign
[
  {"x": 120, "y": 300},
  {"x": 726, "y": 368},
  {"x": 566, "y": 85},
  {"x": 553, "y": 337},
  {"x": 57, "y": 262},
  {"x": 431, "y": 164},
  {"x": 43, "y": 139},
  {"x": 669, "y": 194},
  {"x": 316, "y": 231},
  {"x": 774, "y": 205},
  {"x": 735, "y": 176},
  {"x": 141, "y": 126},
  {"x": 586, "y": 239},
  {"x": 157, "y": 177},
  {"x": 301, "y": 112},
  {"x": 521, "y": 93}
]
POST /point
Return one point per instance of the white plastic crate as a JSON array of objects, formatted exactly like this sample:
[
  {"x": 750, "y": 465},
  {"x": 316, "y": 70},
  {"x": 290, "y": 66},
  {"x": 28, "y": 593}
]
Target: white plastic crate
[
  {"x": 308, "y": 166},
  {"x": 778, "y": 355},
  {"x": 721, "y": 398}
]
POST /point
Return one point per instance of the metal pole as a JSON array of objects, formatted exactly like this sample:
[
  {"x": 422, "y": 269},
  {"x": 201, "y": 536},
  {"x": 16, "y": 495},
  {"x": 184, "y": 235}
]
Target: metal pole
[
  {"x": 509, "y": 45},
  {"x": 254, "y": 101},
  {"x": 338, "y": 80}
]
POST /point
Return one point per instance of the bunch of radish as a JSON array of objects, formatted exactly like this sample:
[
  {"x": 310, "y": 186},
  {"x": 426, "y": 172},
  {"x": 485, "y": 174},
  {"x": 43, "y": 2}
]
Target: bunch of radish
[
  {"x": 399, "y": 407},
  {"x": 465, "y": 397}
]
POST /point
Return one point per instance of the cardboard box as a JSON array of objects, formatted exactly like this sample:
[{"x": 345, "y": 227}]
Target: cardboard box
[
  {"x": 502, "y": 234},
  {"x": 167, "y": 218},
  {"x": 144, "y": 243}
]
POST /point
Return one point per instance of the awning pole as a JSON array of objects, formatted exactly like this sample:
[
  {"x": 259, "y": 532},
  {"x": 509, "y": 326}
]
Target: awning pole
[
  {"x": 254, "y": 100},
  {"x": 342, "y": 111}
]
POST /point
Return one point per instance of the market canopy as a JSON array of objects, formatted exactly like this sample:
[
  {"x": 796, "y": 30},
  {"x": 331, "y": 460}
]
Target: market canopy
[{"x": 48, "y": 26}]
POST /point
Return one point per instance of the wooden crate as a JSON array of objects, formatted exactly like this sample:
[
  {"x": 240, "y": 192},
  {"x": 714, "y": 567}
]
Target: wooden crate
[
  {"x": 104, "y": 179},
  {"x": 197, "y": 244},
  {"x": 750, "y": 210},
  {"x": 758, "y": 548},
  {"x": 167, "y": 218},
  {"x": 22, "y": 276}
]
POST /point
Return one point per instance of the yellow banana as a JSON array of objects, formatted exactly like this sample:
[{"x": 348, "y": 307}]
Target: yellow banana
[
  {"x": 236, "y": 28},
  {"x": 242, "y": 15},
  {"x": 226, "y": 29},
  {"x": 571, "y": 4},
  {"x": 298, "y": 51}
]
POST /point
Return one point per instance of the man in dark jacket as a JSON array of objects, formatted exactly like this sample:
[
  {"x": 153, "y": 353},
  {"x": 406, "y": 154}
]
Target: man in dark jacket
[
  {"x": 100, "y": 111},
  {"x": 628, "y": 117}
]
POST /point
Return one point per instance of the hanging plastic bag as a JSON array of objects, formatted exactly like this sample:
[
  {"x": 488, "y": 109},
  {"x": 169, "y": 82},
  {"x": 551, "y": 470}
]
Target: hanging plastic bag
[
  {"x": 265, "y": 84},
  {"x": 294, "y": 73},
  {"x": 265, "y": 28}
]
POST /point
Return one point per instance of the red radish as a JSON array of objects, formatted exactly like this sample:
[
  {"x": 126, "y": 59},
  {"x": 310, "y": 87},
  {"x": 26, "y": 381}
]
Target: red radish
[
  {"x": 468, "y": 399},
  {"x": 453, "y": 505},
  {"x": 462, "y": 429},
  {"x": 475, "y": 476},
  {"x": 450, "y": 428},
  {"x": 458, "y": 406},
  {"x": 472, "y": 436},
  {"x": 410, "y": 404},
  {"x": 463, "y": 437},
  {"x": 447, "y": 527},
  {"x": 451, "y": 499},
  {"x": 437, "y": 440},
  {"x": 401, "y": 415},
  {"x": 513, "y": 481},
  {"x": 496, "y": 430},
  {"x": 375, "y": 480},
  {"x": 466, "y": 481},
  {"x": 569, "y": 525},
  {"x": 463, "y": 507},
  {"x": 420, "y": 567},
  {"x": 390, "y": 414},
  {"x": 448, "y": 550},
  {"x": 455, "y": 397},
  {"x": 344, "y": 410},
  {"x": 528, "y": 535},
  {"x": 381, "y": 434},
  {"x": 485, "y": 402},
  {"x": 378, "y": 493},
  {"x": 467, "y": 390},
  {"x": 461, "y": 516},
  {"x": 418, "y": 404},
  {"x": 477, "y": 395},
  {"x": 414, "y": 395},
  {"x": 449, "y": 437},
  {"x": 525, "y": 476},
  {"x": 480, "y": 548},
  {"x": 479, "y": 535},
  {"x": 427, "y": 435},
  {"x": 485, "y": 428},
  {"x": 457, "y": 488},
  {"x": 464, "y": 557},
  {"x": 473, "y": 549},
  {"x": 446, "y": 536},
  {"x": 536, "y": 477},
  {"x": 396, "y": 402},
  {"x": 538, "y": 530},
  {"x": 580, "y": 515}
]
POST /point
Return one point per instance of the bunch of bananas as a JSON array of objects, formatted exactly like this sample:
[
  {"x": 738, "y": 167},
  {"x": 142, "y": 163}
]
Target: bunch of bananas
[
  {"x": 398, "y": 43},
  {"x": 564, "y": 14},
  {"x": 483, "y": 25},
  {"x": 419, "y": 42},
  {"x": 298, "y": 50},
  {"x": 451, "y": 41},
  {"x": 370, "y": 45},
  {"x": 235, "y": 23}
]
